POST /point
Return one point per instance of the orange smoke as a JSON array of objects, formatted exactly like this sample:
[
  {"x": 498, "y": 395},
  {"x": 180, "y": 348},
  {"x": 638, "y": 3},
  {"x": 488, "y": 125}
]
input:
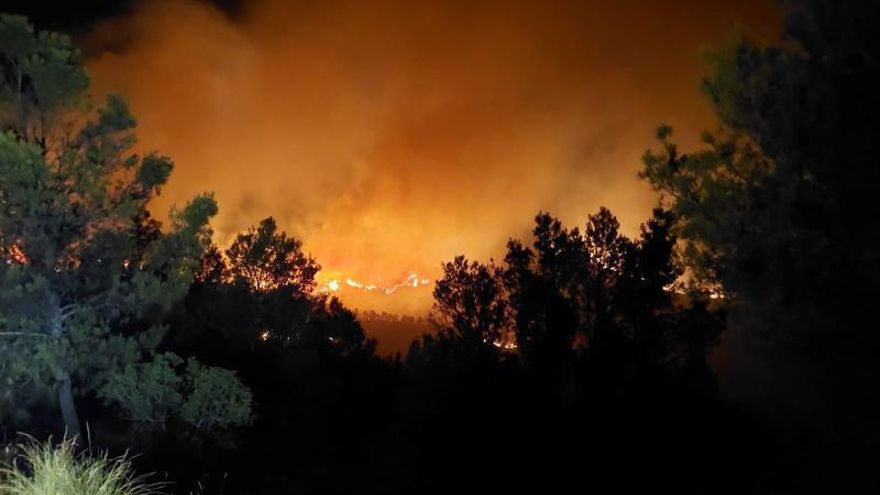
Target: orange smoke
[{"x": 392, "y": 135}]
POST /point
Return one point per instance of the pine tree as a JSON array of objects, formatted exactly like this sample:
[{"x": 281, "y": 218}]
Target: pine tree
[{"x": 85, "y": 273}]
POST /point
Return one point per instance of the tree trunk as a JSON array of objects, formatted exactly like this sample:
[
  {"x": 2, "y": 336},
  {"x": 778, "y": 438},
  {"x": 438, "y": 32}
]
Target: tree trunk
[
  {"x": 68, "y": 407},
  {"x": 62, "y": 376}
]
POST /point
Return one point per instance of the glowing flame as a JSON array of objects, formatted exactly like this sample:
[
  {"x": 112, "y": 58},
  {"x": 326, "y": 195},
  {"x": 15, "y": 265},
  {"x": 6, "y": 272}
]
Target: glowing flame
[
  {"x": 506, "y": 342},
  {"x": 15, "y": 254},
  {"x": 336, "y": 284}
]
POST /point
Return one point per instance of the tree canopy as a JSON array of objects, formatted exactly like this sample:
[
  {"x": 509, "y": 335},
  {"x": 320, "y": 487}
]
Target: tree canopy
[
  {"x": 87, "y": 275},
  {"x": 776, "y": 209}
]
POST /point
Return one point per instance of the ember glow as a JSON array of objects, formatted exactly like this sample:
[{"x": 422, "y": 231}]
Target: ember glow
[
  {"x": 391, "y": 136},
  {"x": 333, "y": 285},
  {"x": 410, "y": 293}
]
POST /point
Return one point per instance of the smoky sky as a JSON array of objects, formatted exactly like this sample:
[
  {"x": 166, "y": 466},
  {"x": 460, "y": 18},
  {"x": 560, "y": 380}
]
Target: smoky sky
[{"x": 393, "y": 135}]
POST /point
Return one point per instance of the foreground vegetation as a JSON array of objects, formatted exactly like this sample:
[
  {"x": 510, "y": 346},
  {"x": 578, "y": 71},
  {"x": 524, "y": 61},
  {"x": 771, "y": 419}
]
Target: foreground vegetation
[
  {"x": 56, "y": 469},
  {"x": 582, "y": 355}
]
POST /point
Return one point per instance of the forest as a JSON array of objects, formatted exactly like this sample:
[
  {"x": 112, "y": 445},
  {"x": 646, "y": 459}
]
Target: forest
[{"x": 145, "y": 351}]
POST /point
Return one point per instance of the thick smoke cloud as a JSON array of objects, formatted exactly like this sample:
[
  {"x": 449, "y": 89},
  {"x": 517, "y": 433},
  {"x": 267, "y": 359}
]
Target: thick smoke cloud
[{"x": 392, "y": 135}]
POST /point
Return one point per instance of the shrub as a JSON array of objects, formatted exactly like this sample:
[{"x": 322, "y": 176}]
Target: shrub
[
  {"x": 216, "y": 399},
  {"x": 47, "y": 469},
  {"x": 147, "y": 392},
  {"x": 204, "y": 397}
]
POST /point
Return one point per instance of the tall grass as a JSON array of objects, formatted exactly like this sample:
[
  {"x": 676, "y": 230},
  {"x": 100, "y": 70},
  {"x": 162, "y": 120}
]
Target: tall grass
[{"x": 47, "y": 469}]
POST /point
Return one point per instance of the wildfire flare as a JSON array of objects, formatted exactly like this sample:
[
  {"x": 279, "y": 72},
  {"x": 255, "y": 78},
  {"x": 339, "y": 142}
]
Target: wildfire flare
[{"x": 413, "y": 280}]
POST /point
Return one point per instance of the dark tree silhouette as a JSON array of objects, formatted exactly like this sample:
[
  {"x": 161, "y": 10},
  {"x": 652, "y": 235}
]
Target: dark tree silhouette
[
  {"x": 212, "y": 269},
  {"x": 544, "y": 318},
  {"x": 264, "y": 259},
  {"x": 646, "y": 283},
  {"x": 336, "y": 330},
  {"x": 777, "y": 208},
  {"x": 561, "y": 255},
  {"x": 469, "y": 304},
  {"x": 608, "y": 251},
  {"x": 652, "y": 266}
]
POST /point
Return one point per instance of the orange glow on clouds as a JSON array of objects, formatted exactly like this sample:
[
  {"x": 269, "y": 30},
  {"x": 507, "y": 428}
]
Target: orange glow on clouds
[{"x": 393, "y": 135}]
